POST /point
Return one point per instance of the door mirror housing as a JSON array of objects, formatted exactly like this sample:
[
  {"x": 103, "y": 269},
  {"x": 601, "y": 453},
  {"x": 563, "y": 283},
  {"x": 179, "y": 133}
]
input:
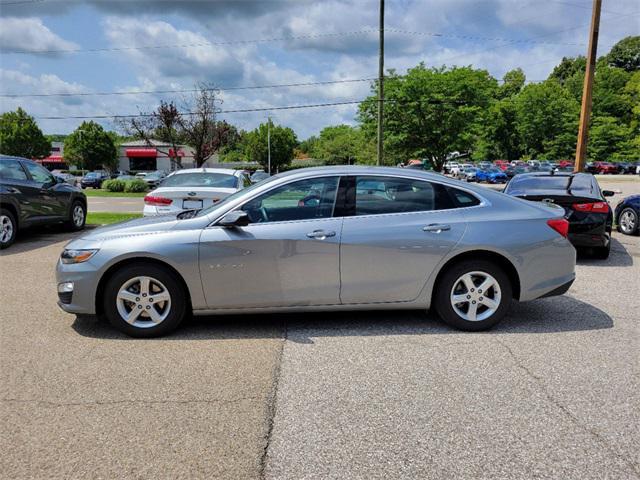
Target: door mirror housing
[
  {"x": 237, "y": 218},
  {"x": 608, "y": 193}
]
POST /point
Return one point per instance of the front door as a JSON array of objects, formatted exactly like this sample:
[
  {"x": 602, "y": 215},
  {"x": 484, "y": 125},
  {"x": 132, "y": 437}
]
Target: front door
[
  {"x": 289, "y": 255},
  {"x": 399, "y": 231}
]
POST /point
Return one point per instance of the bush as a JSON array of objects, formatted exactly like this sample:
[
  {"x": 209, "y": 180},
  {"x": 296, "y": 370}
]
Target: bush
[
  {"x": 114, "y": 185},
  {"x": 131, "y": 186}
]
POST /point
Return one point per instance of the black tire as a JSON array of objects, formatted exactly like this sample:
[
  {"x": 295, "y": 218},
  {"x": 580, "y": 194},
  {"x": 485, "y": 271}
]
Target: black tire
[
  {"x": 636, "y": 229},
  {"x": 602, "y": 253},
  {"x": 177, "y": 309},
  {"x": 12, "y": 224},
  {"x": 71, "y": 224},
  {"x": 444, "y": 288}
]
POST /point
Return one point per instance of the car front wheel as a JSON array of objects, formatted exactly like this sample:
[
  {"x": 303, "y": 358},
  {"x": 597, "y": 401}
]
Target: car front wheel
[
  {"x": 144, "y": 301},
  {"x": 8, "y": 228},
  {"x": 473, "y": 295}
]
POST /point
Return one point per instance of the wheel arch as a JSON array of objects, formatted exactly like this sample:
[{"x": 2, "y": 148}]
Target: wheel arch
[
  {"x": 137, "y": 261},
  {"x": 502, "y": 261},
  {"x": 12, "y": 208}
]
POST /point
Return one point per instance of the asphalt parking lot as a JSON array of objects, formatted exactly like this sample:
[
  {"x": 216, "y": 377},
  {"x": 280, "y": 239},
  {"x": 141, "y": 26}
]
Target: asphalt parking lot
[{"x": 553, "y": 392}]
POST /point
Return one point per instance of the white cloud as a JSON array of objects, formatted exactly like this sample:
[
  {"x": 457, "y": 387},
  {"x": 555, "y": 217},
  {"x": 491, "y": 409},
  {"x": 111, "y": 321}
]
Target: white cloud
[{"x": 30, "y": 35}]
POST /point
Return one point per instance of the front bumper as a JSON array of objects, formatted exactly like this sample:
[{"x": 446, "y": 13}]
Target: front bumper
[{"x": 84, "y": 277}]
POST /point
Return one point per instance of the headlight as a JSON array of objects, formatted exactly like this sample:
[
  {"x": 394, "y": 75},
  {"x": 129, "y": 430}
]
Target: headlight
[{"x": 77, "y": 256}]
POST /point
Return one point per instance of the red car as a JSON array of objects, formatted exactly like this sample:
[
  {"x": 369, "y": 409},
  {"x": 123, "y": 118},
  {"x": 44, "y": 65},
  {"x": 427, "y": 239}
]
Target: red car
[
  {"x": 605, "y": 168},
  {"x": 501, "y": 164},
  {"x": 565, "y": 163}
]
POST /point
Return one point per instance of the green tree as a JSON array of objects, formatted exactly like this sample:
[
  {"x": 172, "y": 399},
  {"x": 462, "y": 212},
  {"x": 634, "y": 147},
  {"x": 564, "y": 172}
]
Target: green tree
[
  {"x": 21, "y": 136},
  {"x": 607, "y": 139},
  {"x": 499, "y": 137},
  {"x": 625, "y": 54},
  {"x": 338, "y": 145},
  {"x": 430, "y": 112},
  {"x": 545, "y": 112},
  {"x": 567, "y": 68},
  {"x": 283, "y": 141},
  {"x": 512, "y": 83},
  {"x": 91, "y": 148}
]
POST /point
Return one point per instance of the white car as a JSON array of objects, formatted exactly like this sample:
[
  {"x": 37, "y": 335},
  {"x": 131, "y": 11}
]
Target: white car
[{"x": 193, "y": 188}]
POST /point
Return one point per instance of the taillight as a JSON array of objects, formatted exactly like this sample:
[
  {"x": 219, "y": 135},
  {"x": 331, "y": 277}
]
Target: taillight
[
  {"x": 151, "y": 200},
  {"x": 560, "y": 225},
  {"x": 597, "y": 207}
]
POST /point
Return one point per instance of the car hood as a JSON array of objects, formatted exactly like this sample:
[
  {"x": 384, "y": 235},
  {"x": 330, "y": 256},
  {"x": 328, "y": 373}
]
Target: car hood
[{"x": 135, "y": 227}]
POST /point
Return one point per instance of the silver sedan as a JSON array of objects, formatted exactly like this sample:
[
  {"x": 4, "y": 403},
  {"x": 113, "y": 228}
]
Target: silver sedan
[{"x": 332, "y": 238}]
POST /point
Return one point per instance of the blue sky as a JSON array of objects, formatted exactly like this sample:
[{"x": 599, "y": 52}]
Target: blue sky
[{"x": 307, "y": 41}]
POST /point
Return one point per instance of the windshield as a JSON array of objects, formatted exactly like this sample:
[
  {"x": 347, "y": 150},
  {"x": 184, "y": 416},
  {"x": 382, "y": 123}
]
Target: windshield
[
  {"x": 201, "y": 179},
  {"x": 234, "y": 196},
  {"x": 91, "y": 175}
]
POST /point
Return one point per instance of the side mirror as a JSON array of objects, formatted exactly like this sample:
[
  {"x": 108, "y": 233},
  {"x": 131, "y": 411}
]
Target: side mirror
[
  {"x": 237, "y": 218},
  {"x": 59, "y": 179},
  {"x": 608, "y": 193}
]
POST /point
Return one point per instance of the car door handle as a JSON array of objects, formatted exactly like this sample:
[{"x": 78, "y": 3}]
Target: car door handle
[
  {"x": 320, "y": 234},
  {"x": 436, "y": 228}
]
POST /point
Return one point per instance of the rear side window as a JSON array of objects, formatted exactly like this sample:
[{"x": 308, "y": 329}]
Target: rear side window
[
  {"x": 383, "y": 195},
  {"x": 462, "y": 198},
  {"x": 12, "y": 170}
]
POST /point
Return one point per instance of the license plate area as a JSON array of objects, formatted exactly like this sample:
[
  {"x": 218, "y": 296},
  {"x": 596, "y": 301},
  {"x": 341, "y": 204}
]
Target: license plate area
[{"x": 189, "y": 204}]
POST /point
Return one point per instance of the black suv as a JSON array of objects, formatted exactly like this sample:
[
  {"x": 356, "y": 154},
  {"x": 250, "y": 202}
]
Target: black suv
[
  {"x": 94, "y": 179},
  {"x": 30, "y": 195}
]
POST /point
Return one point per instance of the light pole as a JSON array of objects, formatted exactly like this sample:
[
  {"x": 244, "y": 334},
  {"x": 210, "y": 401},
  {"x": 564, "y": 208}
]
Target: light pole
[{"x": 269, "y": 143}]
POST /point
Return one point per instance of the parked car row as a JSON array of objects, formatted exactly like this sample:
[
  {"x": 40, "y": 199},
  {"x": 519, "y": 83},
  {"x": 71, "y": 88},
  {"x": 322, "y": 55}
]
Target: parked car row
[{"x": 601, "y": 168}]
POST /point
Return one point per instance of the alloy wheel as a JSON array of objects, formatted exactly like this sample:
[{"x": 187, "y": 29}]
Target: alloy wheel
[
  {"x": 78, "y": 215},
  {"x": 475, "y": 296},
  {"x": 143, "y": 302},
  {"x": 6, "y": 228},
  {"x": 627, "y": 221}
]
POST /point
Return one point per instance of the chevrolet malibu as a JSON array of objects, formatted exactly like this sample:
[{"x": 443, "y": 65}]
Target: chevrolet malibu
[{"x": 323, "y": 239}]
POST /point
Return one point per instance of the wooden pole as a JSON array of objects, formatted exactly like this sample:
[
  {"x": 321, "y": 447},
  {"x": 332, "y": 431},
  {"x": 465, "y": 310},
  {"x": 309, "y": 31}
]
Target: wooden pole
[
  {"x": 381, "y": 87},
  {"x": 585, "y": 111}
]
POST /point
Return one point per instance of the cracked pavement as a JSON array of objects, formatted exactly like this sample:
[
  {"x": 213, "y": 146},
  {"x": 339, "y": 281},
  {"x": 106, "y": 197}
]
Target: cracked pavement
[{"x": 553, "y": 392}]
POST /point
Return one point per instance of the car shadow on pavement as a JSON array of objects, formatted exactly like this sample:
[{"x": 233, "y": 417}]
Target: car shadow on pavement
[
  {"x": 619, "y": 257},
  {"x": 550, "y": 315},
  {"x": 34, "y": 238}
]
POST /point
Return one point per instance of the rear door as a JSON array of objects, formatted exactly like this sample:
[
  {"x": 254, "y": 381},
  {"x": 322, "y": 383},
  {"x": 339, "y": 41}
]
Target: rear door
[
  {"x": 398, "y": 231},
  {"x": 16, "y": 185}
]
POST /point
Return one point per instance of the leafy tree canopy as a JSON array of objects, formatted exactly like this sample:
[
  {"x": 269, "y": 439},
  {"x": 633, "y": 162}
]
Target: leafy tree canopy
[
  {"x": 21, "y": 136},
  {"x": 91, "y": 147},
  {"x": 625, "y": 54},
  {"x": 282, "y": 140}
]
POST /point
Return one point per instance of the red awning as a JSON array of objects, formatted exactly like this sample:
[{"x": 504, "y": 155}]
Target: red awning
[
  {"x": 52, "y": 159},
  {"x": 141, "y": 152}
]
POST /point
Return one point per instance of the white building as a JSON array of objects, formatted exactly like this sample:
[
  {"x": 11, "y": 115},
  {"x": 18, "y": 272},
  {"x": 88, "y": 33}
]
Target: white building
[{"x": 139, "y": 155}]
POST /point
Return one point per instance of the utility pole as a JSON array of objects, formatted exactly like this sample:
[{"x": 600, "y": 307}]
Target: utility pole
[
  {"x": 585, "y": 111},
  {"x": 381, "y": 86},
  {"x": 269, "y": 143}
]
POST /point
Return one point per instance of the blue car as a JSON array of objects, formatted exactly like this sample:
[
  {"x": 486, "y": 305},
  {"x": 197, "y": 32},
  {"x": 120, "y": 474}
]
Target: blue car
[
  {"x": 491, "y": 175},
  {"x": 627, "y": 215}
]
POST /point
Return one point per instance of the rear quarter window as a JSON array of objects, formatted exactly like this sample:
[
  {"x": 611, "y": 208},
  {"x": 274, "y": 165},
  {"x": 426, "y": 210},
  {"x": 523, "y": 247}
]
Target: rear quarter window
[{"x": 461, "y": 198}]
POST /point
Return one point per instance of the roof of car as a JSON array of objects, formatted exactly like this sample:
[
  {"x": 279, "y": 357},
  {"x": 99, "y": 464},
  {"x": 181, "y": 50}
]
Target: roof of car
[
  {"x": 13, "y": 157},
  {"x": 227, "y": 171}
]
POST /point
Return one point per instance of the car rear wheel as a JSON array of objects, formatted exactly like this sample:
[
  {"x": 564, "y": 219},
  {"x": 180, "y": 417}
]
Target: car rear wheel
[
  {"x": 473, "y": 295},
  {"x": 77, "y": 217},
  {"x": 144, "y": 301},
  {"x": 628, "y": 222},
  {"x": 8, "y": 228}
]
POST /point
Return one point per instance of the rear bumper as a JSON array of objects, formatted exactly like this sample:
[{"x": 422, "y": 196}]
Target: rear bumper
[
  {"x": 561, "y": 290},
  {"x": 589, "y": 239}
]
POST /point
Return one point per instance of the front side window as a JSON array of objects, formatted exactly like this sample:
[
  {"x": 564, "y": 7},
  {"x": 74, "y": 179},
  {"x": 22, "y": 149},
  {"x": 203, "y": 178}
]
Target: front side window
[
  {"x": 38, "y": 173},
  {"x": 382, "y": 195},
  {"x": 302, "y": 200},
  {"x": 12, "y": 170}
]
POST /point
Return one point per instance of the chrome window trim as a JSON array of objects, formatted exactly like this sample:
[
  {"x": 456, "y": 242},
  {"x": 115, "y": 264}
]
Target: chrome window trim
[{"x": 483, "y": 201}]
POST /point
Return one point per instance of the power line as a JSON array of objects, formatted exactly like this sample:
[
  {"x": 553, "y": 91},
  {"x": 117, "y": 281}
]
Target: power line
[
  {"x": 187, "y": 90},
  {"x": 261, "y": 109},
  {"x": 185, "y": 45}
]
